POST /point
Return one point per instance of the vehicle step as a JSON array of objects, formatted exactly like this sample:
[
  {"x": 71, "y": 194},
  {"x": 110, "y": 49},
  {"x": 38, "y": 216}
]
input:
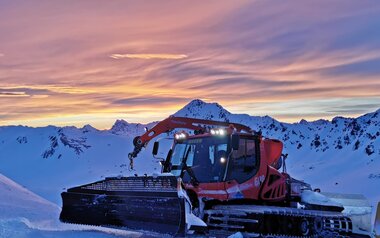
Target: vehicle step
[
  {"x": 234, "y": 219},
  {"x": 226, "y": 226}
]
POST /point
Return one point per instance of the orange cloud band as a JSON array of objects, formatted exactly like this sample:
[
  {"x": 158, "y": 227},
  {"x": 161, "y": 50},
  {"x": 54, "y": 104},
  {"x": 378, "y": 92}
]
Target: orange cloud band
[{"x": 149, "y": 56}]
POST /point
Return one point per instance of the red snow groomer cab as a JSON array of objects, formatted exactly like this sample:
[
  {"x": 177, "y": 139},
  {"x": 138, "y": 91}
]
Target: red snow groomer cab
[
  {"x": 204, "y": 163},
  {"x": 218, "y": 178}
]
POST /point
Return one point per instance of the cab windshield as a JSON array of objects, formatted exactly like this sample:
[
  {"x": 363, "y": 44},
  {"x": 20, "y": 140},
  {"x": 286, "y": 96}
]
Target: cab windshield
[{"x": 207, "y": 158}]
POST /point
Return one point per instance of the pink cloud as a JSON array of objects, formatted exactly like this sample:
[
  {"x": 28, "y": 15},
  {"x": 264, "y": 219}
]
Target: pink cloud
[{"x": 241, "y": 53}]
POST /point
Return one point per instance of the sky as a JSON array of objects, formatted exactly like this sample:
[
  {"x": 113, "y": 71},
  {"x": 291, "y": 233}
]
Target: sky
[{"x": 80, "y": 62}]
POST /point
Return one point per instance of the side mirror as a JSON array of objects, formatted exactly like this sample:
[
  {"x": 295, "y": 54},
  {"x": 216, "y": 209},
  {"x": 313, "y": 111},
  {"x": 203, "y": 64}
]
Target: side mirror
[
  {"x": 235, "y": 141},
  {"x": 166, "y": 165},
  {"x": 155, "y": 148}
]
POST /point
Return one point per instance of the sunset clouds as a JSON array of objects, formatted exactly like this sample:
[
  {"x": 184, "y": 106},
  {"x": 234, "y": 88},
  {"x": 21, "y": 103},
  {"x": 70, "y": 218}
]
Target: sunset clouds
[
  {"x": 81, "y": 62},
  {"x": 149, "y": 56}
]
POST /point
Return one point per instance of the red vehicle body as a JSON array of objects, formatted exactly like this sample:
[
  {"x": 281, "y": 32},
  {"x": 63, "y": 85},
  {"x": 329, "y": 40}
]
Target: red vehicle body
[
  {"x": 265, "y": 183},
  {"x": 268, "y": 184}
]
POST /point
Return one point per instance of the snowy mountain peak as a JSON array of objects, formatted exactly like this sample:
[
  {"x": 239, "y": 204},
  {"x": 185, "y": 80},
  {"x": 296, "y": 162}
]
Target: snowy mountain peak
[
  {"x": 196, "y": 103},
  {"x": 88, "y": 128},
  {"x": 119, "y": 125},
  {"x": 122, "y": 127},
  {"x": 200, "y": 109},
  {"x": 320, "y": 122}
]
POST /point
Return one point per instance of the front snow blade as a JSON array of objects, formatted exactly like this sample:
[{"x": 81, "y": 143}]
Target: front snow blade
[{"x": 140, "y": 203}]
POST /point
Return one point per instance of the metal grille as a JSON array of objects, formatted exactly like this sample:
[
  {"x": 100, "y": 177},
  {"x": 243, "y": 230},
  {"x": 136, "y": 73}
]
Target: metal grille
[{"x": 161, "y": 184}]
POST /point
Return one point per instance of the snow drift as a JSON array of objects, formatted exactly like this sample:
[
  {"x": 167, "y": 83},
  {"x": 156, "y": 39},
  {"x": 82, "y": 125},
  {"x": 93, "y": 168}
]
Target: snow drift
[{"x": 25, "y": 214}]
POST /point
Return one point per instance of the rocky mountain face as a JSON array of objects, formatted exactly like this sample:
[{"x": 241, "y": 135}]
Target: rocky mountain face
[
  {"x": 357, "y": 134},
  {"x": 77, "y": 144}
]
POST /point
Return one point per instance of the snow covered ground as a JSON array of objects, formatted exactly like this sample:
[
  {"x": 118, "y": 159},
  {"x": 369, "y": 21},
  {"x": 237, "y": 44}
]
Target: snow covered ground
[
  {"x": 342, "y": 155},
  {"x": 25, "y": 214}
]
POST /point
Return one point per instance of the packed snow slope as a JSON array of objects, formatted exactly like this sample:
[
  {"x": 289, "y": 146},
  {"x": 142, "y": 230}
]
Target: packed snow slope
[
  {"x": 16, "y": 201},
  {"x": 24, "y": 214},
  {"x": 342, "y": 155}
]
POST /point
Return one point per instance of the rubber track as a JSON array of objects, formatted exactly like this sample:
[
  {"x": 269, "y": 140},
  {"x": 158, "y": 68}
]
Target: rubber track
[{"x": 240, "y": 210}]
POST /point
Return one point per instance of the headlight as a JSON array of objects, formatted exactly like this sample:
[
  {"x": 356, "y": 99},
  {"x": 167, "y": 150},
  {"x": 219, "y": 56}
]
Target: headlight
[
  {"x": 218, "y": 132},
  {"x": 180, "y": 136}
]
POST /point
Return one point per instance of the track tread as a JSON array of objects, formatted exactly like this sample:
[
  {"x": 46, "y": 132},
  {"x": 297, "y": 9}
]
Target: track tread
[{"x": 330, "y": 229}]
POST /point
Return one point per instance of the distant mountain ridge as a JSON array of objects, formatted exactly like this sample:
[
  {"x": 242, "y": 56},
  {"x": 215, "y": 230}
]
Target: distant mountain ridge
[{"x": 361, "y": 133}]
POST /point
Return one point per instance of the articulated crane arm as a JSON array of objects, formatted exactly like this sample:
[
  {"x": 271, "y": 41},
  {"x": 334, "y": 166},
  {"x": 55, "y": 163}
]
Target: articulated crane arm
[{"x": 172, "y": 123}]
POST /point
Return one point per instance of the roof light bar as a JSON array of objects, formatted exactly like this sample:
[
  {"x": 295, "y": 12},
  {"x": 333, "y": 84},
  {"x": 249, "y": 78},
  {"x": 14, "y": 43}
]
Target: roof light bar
[
  {"x": 180, "y": 136},
  {"x": 218, "y": 132}
]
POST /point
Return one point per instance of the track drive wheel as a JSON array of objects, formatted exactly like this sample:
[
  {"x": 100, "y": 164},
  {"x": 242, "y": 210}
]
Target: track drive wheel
[
  {"x": 304, "y": 227},
  {"x": 317, "y": 225}
]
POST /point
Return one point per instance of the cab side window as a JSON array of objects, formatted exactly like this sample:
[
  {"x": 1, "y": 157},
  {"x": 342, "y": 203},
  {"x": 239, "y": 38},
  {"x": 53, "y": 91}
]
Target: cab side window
[{"x": 243, "y": 164}]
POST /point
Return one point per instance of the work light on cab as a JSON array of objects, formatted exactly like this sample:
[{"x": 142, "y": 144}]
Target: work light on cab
[
  {"x": 181, "y": 136},
  {"x": 218, "y": 132}
]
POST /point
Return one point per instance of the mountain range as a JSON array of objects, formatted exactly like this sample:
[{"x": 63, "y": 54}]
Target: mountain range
[{"x": 341, "y": 155}]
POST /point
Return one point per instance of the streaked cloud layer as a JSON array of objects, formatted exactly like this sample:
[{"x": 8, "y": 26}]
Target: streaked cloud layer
[
  {"x": 149, "y": 56},
  {"x": 79, "y": 62}
]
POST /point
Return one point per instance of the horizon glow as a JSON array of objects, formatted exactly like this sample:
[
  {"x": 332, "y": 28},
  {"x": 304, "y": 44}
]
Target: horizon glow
[{"x": 92, "y": 62}]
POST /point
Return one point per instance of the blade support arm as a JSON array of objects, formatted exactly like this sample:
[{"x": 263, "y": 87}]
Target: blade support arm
[{"x": 172, "y": 123}]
